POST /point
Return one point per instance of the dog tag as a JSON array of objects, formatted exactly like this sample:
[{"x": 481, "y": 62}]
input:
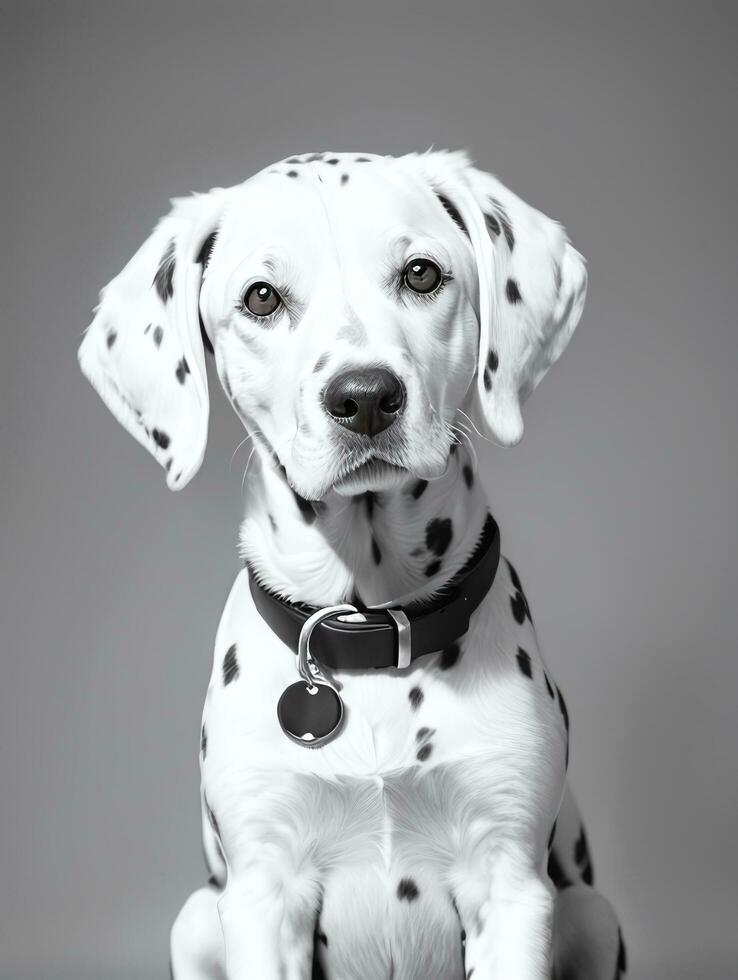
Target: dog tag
[{"x": 310, "y": 714}]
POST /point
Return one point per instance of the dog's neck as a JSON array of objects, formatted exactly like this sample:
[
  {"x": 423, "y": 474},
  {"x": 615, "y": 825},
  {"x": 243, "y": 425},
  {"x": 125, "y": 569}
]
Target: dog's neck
[{"x": 395, "y": 545}]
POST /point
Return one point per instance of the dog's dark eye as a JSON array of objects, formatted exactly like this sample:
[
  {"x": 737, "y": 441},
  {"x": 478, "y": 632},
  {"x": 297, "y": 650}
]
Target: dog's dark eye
[
  {"x": 422, "y": 275},
  {"x": 261, "y": 299}
]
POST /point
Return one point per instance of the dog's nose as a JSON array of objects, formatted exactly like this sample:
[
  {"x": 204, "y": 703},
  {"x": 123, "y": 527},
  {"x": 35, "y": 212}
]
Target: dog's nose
[{"x": 365, "y": 401}]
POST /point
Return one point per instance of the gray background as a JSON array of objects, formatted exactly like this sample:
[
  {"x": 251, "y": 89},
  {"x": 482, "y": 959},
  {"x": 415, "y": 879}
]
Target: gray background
[{"x": 618, "y": 507}]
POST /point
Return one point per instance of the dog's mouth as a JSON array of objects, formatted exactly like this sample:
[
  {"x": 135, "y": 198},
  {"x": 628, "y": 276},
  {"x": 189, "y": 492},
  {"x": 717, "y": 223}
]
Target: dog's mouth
[{"x": 373, "y": 474}]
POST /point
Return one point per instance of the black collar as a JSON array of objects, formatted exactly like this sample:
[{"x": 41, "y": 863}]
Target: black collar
[{"x": 389, "y": 637}]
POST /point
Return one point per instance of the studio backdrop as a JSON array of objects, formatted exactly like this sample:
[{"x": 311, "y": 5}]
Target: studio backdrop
[{"x": 618, "y": 506}]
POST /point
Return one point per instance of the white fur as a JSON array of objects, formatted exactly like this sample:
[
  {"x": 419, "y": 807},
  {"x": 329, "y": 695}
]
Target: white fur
[{"x": 290, "y": 833}]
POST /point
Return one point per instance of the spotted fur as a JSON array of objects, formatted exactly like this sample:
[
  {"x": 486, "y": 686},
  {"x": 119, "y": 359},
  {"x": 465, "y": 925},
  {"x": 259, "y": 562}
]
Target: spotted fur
[{"x": 376, "y": 854}]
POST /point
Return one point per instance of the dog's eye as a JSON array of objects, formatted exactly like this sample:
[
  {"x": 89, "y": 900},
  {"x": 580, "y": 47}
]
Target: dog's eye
[
  {"x": 422, "y": 276},
  {"x": 261, "y": 299}
]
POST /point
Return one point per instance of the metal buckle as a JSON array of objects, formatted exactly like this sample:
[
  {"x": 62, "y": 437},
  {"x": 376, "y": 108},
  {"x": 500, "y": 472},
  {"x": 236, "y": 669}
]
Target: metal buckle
[{"x": 402, "y": 627}]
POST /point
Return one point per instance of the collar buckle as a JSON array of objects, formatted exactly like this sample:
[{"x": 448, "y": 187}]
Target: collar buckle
[{"x": 402, "y": 629}]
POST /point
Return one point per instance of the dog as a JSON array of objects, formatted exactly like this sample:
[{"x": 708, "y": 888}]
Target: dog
[{"x": 369, "y": 316}]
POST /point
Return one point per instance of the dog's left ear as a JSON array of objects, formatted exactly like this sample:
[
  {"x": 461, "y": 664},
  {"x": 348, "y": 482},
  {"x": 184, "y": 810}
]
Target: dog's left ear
[
  {"x": 532, "y": 285},
  {"x": 144, "y": 353}
]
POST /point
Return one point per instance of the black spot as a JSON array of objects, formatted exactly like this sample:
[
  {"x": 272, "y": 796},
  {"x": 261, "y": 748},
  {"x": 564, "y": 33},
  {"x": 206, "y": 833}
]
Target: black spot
[
  {"x": 493, "y": 225},
  {"x": 487, "y": 379},
  {"x": 581, "y": 851},
  {"x": 449, "y": 656},
  {"x": 369, "y": 499},
  {"x": 517, "y": 604},
  {"x": 344, "y": 178},
  {"x": 164, "y": 278},
  {"x": 376, "y": 553},
  {"x": 524, "y": 663},
  {"x": 453, "y": 213},
  {"x": 556, "y": 872},
  {"x": 158, "y": 336},
  {"x": 588, "y": 874},
  {"x": 230, "y": 665},
  {"x": 548, "y": 686},
  {"x": 454, "y": 447},
  {"x": 321, "y": 363},
  {"x": 438, "y": 534},
  {"x": 416, "y": 697},
  {"x": 407, "y": 890},
  {"x": 424, "y": 732},
  {"x": 622, "y": 955},
  {"x": 418, "y": 489},
  {"x": 468, "y": 474},
  {"x": 203, "y": 256},
  {"x": 203, "y": 742},
  {"x": 168, "y": 464},
  {"x": 213, "y": 881},
  {"x": 362, "y": 160},
  {"x": 551, "y": 836},
  {"x": 322, "y": 937},
  {"x": 423, "y": 752},
  {"x": 292, "y": 173},
  {"x": 305, "y": 507},
  {"x": 493, "y": 362},
  {"x": 583, "y": 858},
  {"x": 272, "y": 522},
  {"x": 147, "y": 328},
  {"x": 314, "y": 157},
  {"x": 505, "y": 222},
  {"x": 183, "y": 368},
  {"x": 333, "y": 161},
  {"x": 293, "y": 160},
  {"x": 433, "y": 568},
  {"x": 470, "y": 973},
  {"x": 160, "y": 438},
  {"x": 562, "y": 706},
  {"x": 205, "y": 339},
  {"x": 111, "y": 338},
  {"x": 509, "y": 237},
  {"x": 512, "y": 291}
]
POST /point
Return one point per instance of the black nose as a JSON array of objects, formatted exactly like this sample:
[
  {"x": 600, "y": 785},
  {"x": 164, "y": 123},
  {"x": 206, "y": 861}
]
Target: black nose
[{"x": 365, "y": 401}]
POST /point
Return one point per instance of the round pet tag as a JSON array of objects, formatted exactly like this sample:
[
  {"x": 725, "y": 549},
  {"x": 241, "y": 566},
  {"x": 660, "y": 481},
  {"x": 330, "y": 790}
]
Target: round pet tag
[{"x": 310, "y": 715}]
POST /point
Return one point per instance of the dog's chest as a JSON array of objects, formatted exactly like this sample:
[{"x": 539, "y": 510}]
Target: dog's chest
[
  {"x": 413, "y": 741},
  {"x": 386, "y": 819}
]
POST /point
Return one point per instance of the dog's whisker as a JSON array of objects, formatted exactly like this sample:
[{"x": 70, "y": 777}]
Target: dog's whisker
[
  {"x": 476, "y": 430},
  {"x": 248, "y": 462},
  {"x": 466, "y": 440},
  {"x": 241, "y": 443}
]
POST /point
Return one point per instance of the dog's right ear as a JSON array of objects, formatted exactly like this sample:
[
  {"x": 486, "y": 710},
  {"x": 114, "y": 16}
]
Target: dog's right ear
[{"x": 144, "y": 353}]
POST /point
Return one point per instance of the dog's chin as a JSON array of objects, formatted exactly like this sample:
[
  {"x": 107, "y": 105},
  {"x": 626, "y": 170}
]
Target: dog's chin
[{"x": 374, "y": 475}]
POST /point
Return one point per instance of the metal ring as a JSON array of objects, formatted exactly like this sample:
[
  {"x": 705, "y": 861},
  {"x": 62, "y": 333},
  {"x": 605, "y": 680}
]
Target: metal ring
[{"x": 304, "y": 657}]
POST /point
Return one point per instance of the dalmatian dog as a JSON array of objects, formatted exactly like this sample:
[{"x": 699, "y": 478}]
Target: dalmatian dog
[{"x": 371, "y": 318}]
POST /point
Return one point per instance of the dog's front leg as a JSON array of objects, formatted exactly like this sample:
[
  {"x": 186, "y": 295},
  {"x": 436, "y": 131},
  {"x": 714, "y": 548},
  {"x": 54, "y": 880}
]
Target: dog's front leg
[
  {"x": 265, "y": 938},
  {"x": 509, "y": 933}
]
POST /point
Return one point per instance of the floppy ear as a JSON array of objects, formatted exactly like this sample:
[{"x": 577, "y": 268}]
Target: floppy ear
[
  {"x": 143, "y": 351},
  {"x": 532, "y": 285}
]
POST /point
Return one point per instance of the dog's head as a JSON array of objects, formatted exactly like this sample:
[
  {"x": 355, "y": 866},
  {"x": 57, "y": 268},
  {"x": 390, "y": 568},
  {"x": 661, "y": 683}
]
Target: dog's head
[{"x": 355, "y": 304}]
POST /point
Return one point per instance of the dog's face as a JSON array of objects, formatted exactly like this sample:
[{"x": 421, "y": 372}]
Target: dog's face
[
  {"x": 342, "y": 313},
  {"x": 354, "y": 303}
]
